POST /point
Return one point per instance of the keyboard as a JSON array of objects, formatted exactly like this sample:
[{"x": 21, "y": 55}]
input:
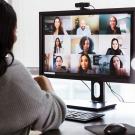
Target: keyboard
[{"x": 81, "y": 116}]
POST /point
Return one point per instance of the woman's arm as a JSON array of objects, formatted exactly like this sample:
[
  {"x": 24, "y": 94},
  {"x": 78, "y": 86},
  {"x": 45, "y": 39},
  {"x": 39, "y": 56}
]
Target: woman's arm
[{"x": 58, "y": 109}]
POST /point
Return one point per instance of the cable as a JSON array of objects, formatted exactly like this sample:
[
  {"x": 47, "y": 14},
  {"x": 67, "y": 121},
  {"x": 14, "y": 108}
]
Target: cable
[
  {"x": 116, "y": 94},
  {"x": 86, "y": 85},
  {"x": 92, "y": 6},
  {"x": 113, "y": 92}
]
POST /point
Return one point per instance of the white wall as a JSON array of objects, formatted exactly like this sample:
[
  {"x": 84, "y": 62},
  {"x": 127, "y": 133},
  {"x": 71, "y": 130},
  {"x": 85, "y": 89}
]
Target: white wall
[{"x": 27, "y": 45}]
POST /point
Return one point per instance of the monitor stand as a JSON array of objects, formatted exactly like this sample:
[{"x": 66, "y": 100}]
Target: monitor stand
[{"x": 97, "y": 102}]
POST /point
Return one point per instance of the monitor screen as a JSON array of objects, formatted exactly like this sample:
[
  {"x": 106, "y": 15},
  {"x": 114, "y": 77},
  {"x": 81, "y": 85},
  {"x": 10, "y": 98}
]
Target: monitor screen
[{"x": 89, "y": 45}]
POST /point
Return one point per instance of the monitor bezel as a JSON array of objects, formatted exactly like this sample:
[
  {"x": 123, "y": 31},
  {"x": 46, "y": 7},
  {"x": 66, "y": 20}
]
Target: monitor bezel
[{"x": 104, "y": 78}]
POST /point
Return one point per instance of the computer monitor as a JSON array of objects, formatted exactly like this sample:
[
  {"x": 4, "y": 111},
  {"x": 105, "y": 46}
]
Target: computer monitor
[{"x": 96, "y": 45}]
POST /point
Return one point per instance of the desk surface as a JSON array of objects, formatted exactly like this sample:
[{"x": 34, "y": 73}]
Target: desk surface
[{"x": 123, "y": 113}]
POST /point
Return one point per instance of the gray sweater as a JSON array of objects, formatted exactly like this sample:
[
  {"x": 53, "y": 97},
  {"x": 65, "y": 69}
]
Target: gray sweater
[{"x": 24, "y": 106}]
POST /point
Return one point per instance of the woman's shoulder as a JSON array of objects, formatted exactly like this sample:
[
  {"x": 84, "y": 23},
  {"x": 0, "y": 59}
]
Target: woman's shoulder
[
  {"x": 18, "y": 65},
  {"x": 20, "y": 78},
  {"x": 121, "y": 53},
  {"x": 108, "y": 30},
  {"x": 118, "y": 30},
  {"x": 17, "y": 70},
  {"x": 109, "y": 50},
  {"x": 92, "y": 52},
  {"x": 123, "y": 72},
  {"x": 91, "y": 71}
]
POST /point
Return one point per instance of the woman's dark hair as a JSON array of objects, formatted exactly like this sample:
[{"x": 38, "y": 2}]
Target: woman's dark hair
[
  {"x": 55, "y": 46},
  {"x": 117, "y": 42},
  {"x": 91, "y": 44},
  {"x": 60, "y": 31},
  {"x": 80, "y": 70},
  {"x": 8, "y": 21},
  {"x": 112, "y": 68}
]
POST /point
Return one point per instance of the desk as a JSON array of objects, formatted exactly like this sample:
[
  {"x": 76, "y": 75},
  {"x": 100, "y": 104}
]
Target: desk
[{"x": 123, "y": 113}]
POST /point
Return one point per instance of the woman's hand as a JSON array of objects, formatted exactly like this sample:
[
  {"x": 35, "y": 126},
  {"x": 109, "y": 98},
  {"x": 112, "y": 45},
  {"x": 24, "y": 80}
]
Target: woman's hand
[{"x": 44, "y": 83}]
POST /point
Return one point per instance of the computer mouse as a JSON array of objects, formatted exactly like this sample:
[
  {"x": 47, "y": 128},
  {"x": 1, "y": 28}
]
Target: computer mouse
[{"x": 115, "y": 129}]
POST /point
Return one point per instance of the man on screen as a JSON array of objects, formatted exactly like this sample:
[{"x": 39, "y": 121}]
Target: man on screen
[{"x": 83, "y": 30}]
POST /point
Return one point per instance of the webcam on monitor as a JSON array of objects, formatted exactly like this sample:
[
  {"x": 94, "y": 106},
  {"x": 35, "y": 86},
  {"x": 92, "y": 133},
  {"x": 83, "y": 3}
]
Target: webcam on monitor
[{"x": 82, "y": 5}]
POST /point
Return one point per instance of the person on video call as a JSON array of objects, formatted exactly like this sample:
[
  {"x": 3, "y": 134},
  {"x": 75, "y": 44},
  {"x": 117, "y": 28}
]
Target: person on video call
[
  {"x": 58, "y": 65},
  {"x": 83, "y": 29},
  {"x": 85, "y": 65},
  {"x": 57, "y": 46},
  {"x": 115, "y": 48},
  {"x": 57, "y": 27},
  {"x": 25, "y": 103},
  {"x": 113, "y": 28},
  {"x": 86, "y": 45},
  {"x": 116, "y": 67}
]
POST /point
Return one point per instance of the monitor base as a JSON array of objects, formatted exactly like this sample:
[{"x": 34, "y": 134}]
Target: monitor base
[{"x": 91, "y": 106}]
